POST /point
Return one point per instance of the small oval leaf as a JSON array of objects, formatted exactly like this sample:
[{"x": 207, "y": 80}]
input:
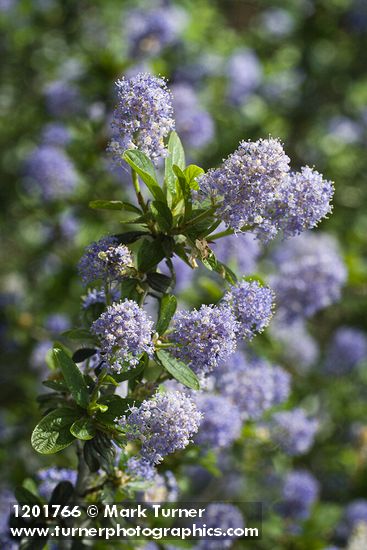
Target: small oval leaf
[
  {"x": 73, "y": 377},
  {"x": 83, "y": 428},
  {"x": 52, "y": 433},
  {"x": 178, "y": 369},
  {"x": 166, "y": 312}
]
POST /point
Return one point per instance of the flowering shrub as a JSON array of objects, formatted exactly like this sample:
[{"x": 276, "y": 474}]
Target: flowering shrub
[{"x": 138, "y": 381}]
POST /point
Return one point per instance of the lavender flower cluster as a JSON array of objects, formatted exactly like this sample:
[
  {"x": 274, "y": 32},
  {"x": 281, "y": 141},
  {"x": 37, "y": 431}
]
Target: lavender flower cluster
[
  {"x": 143, "y": 117},
  {"x": 203, "y": 338},
  {"x": 105, "y": 260},
  {"x": 255, "y": 189},
  {"x": 228, "y": 517},
  {"x": 98, "y": 296},
  {"x": 355, "y": 513},
  {"x": 299, "y": 348},
  {"x": 62, "y": 98},
  {"x": 206, "y": 337},
  {"x": 242, "y": 249},
  {"x": 310, "y": 276},
  {"x": 244, "y": 74},
  {"x": 252, "y": 384},
  {"x": 141, "y": 468},
  {"x": 252, "y": 305},
  {"x": 294, "y": 431},
  {"x": 221, "y": 424},
  {"x": 346, "y": 351},
  {"x": 193, "y": 123},
  {"x": 163, "y": 424},
  {"x": 125, "y": 332},
  {"x": 56, "y": 134},
  {"x": 50, "y": 173},
  {"x": 300, "y": 491},
  {"x": 150, "y": 30}
]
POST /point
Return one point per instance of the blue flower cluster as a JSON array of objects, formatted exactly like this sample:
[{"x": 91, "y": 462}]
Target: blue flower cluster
[
  {"x": 255, "y": 189},
  {"x": 148, "y": 31},
  {"x": 299, "y": 348},
  {"x": 50, "y": 173},
  {"x": 194, "y": 125},
  {"x": 105, "y": 260},
  {"x": 164, "y": 488},
  {"x": 141, "y": 468},
  {"x": 204, "y": 338},
  {"x": 98, "y": 296},
  {"x": 125, "y": 332},
  {"x": 57, "y": 323},
  {"x": 227, "y": 516},
  {"x": 242, "y": 249},
  {"x": 300, "y": 492},
  {"x": 347, "y": 349},
  {"x": 221, "y": 424},
  {"x": 56, "y": 134},
  {"x": 294, "y": 431},
  {"x": 252, "y": 384},
  {"x": 62, "y": 98},
  {"x": 310, "y": 276},
  {"x": 252, "y": 306},
  {"x": 163, "y": 424},
  {"x": 308, "y": 201},
  {"x": 244, "y": 73},
  {"x": 143, "y": 117},
  {"x": 355, "y": 513}
]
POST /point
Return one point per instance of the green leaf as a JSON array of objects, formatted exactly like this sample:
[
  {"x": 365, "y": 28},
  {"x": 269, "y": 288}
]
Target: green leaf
[
  {"x": 82, "y": 354},
  {"x": 168, "y": 244},
  {"x": 73, "y": 377},
  {"x": 149, "y": 255},
  {"x": 50, "y": 401},
  {"x": 176, "y": 155},
  {"x": 114, "y": 205},
  {"x": 184, "y": 184},
  {"x": 227, "y": 273},
  {"x": 100, "y": 451},
  {"x": 185, "y": 189},
  {"x": 24, "y": 496},
  {"x": 130, "y": 236},
  {"x": 117, "y": 407},
  {"x": 140, "y": 220},
  {"x": 162, "y": 214},
  {"x": 167, "y": 310},
  {"x": 52, "y": 433},
  {"x": 49, "y": 360},
  {"x": 128, "y": 288},
  {"x": 91, "y": 456},
  {"x": 81, "y": 334},
  {"x": 178, "y": 369},
  {"x": 192, "y": 172},
  {"x": 63, "y": 493},
  {"x": 57, "y": 385},
  {"x": 159, "y": 282},
  {"x": 144, "y": 167},
  {"x": 83, "y": 428},
  {"x": 213, "y": 264},
  {"x": 210, "y": 261}
]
